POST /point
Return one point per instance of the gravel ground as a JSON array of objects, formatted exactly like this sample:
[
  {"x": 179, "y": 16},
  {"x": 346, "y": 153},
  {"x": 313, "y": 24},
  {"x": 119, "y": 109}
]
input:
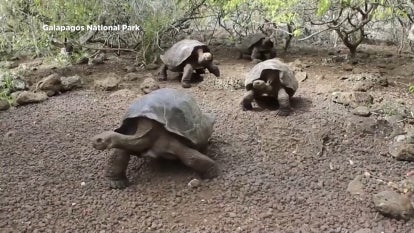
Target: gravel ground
[{"x": 278, "y": 174}]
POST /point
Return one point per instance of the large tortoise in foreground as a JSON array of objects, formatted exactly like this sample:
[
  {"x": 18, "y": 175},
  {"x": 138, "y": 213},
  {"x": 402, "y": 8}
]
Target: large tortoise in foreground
[
  {"x": 271, "y": 78},
  {"x": 257, "y": 46},
  {"x": 168, "y": 124},
  {"x": 187, "y": 56}
]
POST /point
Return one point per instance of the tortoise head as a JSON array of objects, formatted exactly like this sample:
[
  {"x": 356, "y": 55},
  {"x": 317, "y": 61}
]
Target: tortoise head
[
  {"x": 206, "y": 57},
  {"x": 103, "y": 140},
  {"x": 259, "y": 84}
]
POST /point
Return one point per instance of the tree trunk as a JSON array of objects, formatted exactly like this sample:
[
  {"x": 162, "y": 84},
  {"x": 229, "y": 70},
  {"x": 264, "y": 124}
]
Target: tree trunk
[{"x": 352, "y": 50}]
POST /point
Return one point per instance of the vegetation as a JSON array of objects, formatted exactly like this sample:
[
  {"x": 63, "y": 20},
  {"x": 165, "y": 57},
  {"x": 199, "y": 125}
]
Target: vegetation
[
  {"x": 6, "y": 86},
  {"x": 163, "y": 21},
  {"x": 411, "y": 88}
]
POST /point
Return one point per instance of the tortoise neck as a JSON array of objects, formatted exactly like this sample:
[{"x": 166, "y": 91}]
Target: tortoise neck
[{"x": 129, "y": 142}]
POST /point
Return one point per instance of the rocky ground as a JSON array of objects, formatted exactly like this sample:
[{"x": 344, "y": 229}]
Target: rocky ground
[{"x": 318, "y": 170}]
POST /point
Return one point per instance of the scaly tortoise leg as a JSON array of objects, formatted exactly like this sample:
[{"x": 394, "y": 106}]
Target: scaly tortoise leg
[
  {"x": 213, "y": 69},
  {"x": 162, "y": 73},
  {"x": 284, "y": 103},
  {"x": 202, "y": 164},
  {"x": 116, "y": 169},
  {"x": 186, "y": 80},
  {"x": 247, "y": 100}
]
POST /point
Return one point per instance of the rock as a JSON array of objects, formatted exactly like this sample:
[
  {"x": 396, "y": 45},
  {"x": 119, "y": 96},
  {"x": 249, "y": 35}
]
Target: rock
[
  {"x": 130, "y": 69},
  {"x": 320, "y": 77},
  {"x": 355, "y": 187},
  {"x": 365, "y": 81},
  {"x": 108, "y": 84},
  {"x": 338, "y": 58},
  {"x": 31, "y": 64},
  {"x": 401, "y": 151},
  {"x": 14, "y": 96},
  {"x": 12, "y": 83},
  {"x": 131, "y": 77},
  {"x": 4, "y": 104},
  {"x": 392, "y": 107},
  {"x": 99, "y": 59},
  {"x": 123, "y": 93},
  {"x": 407, "y": 185},
  {"x": 151, "y": 66},
  {"x": 361, "y": 111},
  {"x": 367, "y": 125},
  {"x": 348, "y": 67},
  {"x": 411, "y": 33},
  {"x": 216, "y": 62},
  {"x": 9, "y": 135},
  {"x": 410, "y": 136},
  {"x": 82, "y": 60},
  {"x": 19, "y": 84},
  {"x": 392, "y": 204},
  {"x": 353, "y": 99},
  {"x": 27, "y": 97},
  {"x": 194, "y": 183},
  {"x": 301, "y": 76},
  {"x": 8, "y": 65},
  {"x": 364, "y": 230},
  {"x": 149, "y": 85},
  {"x": 71, "y": 82},
  {"x": 362, "y": 86},
  {"x": 51, "y": 85}
]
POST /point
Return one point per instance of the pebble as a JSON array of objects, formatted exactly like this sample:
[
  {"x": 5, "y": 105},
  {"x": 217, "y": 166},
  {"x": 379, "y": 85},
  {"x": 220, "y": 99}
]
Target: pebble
[{"x": 194, "y": 183}]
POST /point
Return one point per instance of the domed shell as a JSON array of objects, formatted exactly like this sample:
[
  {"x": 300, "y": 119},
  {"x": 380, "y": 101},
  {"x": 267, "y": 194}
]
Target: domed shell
[
  {"x": 250, "y": 40},
  {"x": 287, "y": 77},
  {"x": 177, "y": 111},
  {"x": 180, "y": 51}
]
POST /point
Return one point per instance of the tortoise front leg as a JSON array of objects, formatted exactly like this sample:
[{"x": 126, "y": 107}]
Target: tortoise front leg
[
  {"x": 247, "y": 100},
  {"x": 284, "y": 103},
  {"x": 213, "y": 69},
  {"x": 199, "y": 74},
  {"x": 188, "y": 71},
  {"x": 203, "y": 165},
  {"x": 256, "y": 55},
  {"x": 116, "y": 169},
  {"x": 272, "y": 53},
  {"x": 162, "y": 73}
]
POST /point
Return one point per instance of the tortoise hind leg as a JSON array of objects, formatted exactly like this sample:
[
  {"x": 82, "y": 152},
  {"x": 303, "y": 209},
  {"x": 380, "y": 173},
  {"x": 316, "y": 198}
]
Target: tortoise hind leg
[
  {"x": 116, "y": 170},
  {"x": 162, "y": 73},
  {"x": 202, "y": 164}
]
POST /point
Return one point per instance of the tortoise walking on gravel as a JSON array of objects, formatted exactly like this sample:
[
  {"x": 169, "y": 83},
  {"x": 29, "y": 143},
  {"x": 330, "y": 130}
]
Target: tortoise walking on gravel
[
  {"x": 272, "y": 78},
  {"x": 168, "y": 124},
  {"x": 257, "y": 46},
  {"x": 187, "y": 56}
]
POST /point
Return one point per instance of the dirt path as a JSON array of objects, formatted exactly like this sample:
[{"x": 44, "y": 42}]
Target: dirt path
[{"x": 278, "y": 174}]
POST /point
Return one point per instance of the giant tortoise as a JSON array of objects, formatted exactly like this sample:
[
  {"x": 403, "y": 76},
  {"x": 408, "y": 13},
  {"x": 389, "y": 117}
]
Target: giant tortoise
[
  {"x": 271, "y": 78},
  {"x": 256, "y": 46},
  {"x": 167, "y": 124},
  {"x": 187, "y": 56}
]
